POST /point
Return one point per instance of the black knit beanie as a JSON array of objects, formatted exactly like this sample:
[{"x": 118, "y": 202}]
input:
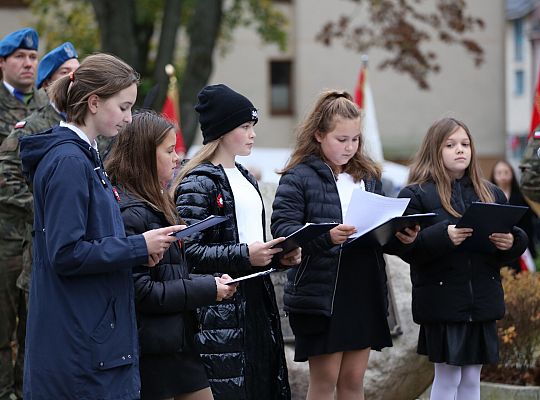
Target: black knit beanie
[{"x": 221, "y": 110}]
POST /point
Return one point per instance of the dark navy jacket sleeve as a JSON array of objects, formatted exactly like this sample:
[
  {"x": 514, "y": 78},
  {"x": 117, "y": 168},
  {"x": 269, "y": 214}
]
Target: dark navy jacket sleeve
[{"x": 71, "y": 249}]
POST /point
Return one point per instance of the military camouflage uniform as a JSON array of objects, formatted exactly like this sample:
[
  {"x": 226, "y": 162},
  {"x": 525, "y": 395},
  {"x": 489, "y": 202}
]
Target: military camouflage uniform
[
  {"x": 12, "y": 228},
  {"x": 530, "y": 172},
  {"x": 13, "y": 111},
  {"x": 15, "y": 195}
]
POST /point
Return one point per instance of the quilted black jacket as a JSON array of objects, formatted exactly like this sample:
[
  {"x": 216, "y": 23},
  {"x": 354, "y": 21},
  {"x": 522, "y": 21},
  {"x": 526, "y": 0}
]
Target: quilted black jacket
[
  {"x": 240, "y": 339},
  {"x": 308, "y": 193}
]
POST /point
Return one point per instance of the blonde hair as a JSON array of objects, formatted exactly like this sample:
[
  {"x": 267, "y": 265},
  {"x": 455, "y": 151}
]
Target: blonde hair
[
  {"x": 100, "y": 74},
  {"x": 204, "y": 154},
  {"x": 330, "y": 107},
  {"x": 428, "y": 164}
]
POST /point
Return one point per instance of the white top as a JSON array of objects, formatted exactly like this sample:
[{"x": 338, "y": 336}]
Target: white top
[
  {"x": 345, "y": 187},
  {"x": 248, "y": 206},
  {"x": 79, "y": 133}
]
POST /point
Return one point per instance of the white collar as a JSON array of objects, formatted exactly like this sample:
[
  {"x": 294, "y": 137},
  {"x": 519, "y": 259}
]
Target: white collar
[
  {"x": 79, "y": 133},
  {"x": 56, "y": 109},
  {"x": 8, "y": 87}
]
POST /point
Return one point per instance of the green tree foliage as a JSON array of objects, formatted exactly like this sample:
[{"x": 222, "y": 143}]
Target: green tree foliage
[
  {"x": 128, "y": 28},
  {"x": 58, "y": 21}
]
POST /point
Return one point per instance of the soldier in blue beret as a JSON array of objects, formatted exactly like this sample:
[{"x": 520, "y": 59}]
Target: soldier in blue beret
[
  {"x": 56, "y": 63},
  {"x": 18, "y": 98},
  {"x": 18, "y": 64}
]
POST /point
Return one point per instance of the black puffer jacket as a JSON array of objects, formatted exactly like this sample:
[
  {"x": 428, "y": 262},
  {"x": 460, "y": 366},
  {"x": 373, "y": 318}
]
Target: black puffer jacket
[
  {"x": 165, "y": 295},
  {"x": 451, "y": 284},
  {"x": 240, "y": 339},
  {"x": 308, "y": 193}
]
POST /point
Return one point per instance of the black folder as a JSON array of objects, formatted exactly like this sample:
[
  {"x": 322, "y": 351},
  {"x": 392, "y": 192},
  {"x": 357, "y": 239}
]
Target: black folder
[
  {"x": 488, "y": 218},
  {"x": 304, "y": 235},
  {"x": 382, "y": 234},
  {"x": 199, "y": 226}
]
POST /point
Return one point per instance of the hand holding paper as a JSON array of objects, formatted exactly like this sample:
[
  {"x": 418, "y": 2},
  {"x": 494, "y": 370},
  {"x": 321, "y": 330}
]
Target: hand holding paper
[
  {"x": 341, "y": 233},
  {"x": 261, "y": 253},
  {"x": 368, "y": 210},
  {"x": 224, "y": 288}
]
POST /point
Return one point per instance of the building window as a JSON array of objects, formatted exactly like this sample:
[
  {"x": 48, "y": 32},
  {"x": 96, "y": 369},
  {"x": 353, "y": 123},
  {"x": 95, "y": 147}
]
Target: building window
[
  {"x": 281, "y": 87},
  {"x": 518, "y": 39},
  {"x": 519, "y": 83}
]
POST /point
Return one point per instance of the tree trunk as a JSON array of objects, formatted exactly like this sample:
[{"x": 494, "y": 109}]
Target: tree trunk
[
  {"x": 199, "y": 64},
  {"x": 117, "y": 27},
  {"x": 167, "y": 44}
]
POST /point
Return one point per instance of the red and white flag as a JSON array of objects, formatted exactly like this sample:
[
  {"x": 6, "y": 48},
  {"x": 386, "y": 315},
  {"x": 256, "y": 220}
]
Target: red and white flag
[
  {"x": 370, "y": 130},
  {"x": 535, "y": 118}
]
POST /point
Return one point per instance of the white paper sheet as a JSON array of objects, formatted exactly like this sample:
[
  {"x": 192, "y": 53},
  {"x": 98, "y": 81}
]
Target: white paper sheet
[{"x": 368, "y": 210}]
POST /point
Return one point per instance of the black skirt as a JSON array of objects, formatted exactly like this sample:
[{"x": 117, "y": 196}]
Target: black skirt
[
  {"x": 358, "y": 320},
  {"x": 460, "y": 343},
  {"x": 166, "y": 375}
]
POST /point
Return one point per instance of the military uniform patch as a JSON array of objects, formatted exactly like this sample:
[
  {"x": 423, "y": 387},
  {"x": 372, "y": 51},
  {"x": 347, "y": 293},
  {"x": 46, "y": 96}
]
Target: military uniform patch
[{"x": 20, "y": 124}]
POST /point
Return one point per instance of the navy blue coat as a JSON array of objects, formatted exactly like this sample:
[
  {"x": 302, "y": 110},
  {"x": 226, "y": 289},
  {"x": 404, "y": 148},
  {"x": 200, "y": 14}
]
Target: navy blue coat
[{"x": 81, "y": 340}]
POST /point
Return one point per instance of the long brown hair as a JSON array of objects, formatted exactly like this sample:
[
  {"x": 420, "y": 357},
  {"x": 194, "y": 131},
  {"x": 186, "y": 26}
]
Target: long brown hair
[
  {"x": 132, "y": 162},
  {"x": 428, "y": 164},
  {"x": 329, "y": 108},
  {"x": 514, "y": 185},
  {"x": 101, "y": 74}
]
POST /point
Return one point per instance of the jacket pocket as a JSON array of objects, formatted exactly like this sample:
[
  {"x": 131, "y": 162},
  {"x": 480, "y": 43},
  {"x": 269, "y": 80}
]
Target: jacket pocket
[{"x": 110, "y": 346}]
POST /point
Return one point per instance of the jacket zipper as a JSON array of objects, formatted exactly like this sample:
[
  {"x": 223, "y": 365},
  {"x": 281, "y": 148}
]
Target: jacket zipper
[
  {"x": 340, "y": 247},
  {"x": 336, "y": 281}
]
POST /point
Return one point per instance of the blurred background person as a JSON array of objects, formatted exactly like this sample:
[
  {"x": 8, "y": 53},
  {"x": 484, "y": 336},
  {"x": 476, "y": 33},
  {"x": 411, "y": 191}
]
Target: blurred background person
[{"x": 503, "y": 175}]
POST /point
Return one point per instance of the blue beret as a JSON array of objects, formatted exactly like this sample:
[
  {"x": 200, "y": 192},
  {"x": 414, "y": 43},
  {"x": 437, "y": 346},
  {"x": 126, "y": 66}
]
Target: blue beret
[
  {"x": 25, "y": 38},
  {"x": 53, "y": 60}
]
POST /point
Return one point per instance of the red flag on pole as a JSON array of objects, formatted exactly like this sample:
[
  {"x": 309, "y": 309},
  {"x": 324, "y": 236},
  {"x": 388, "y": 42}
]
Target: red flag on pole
[
  {"x": 535, "y": 119},
  {"x": 359, "y": 92},
  {"x": 171, "y": 110}
]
